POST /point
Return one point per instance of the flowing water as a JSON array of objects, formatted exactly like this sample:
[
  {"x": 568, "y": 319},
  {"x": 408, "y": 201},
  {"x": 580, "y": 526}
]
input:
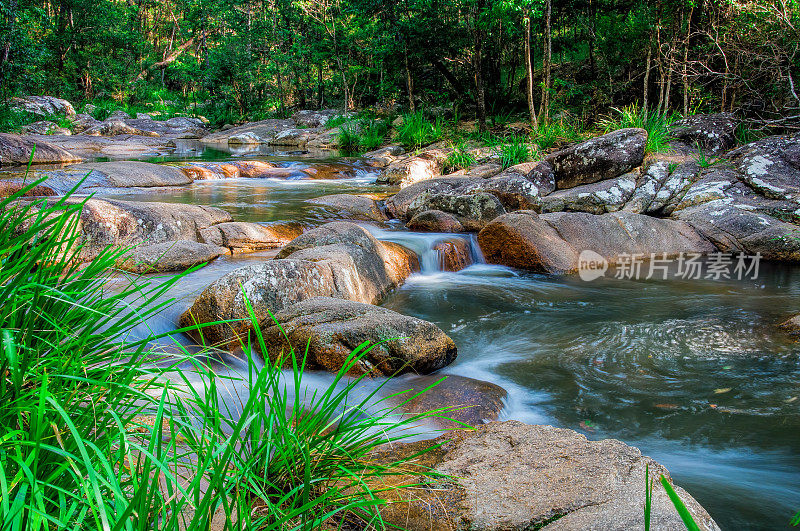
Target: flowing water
[{"x": 691, "y": 372}]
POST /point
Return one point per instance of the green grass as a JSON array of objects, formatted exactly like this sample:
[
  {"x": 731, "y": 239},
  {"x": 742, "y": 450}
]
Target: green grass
[
  {"x": 656, "y": 125},
  {"x": 683, "y": 512},
  {"x": 417, "y": 131},
  {"x": 363, "y": 134},
  {"x": 512, "y": 151},
  {"x": 556, "y": 133},
  {"x": 74, "y": 383},
  {"x": 459, "y": 158}
]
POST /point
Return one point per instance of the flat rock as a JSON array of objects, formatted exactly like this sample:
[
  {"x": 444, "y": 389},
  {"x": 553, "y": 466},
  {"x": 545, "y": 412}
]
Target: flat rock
[
  {"x": 11, "y": 187},
  {"x": 380, "y": 158},
  {"x": 603, "y": 157},
  {"x": 509, "y": 475},
  {"x": 250, "y": 133},
  {"x": 714, "y": 133},
  {"x": 413, "y": 169},
  {"x": 352, "y": 206},
  {"x": 118, "y": 174},
  {"x": 552, "y": 243},
  {"x": 329, "y": 329},
  {"x": 245, "y": 237},
  {"x": 473, "y": 210},
  {"x": 15, "y": 149},
  {"x": 169, "y": 256}
]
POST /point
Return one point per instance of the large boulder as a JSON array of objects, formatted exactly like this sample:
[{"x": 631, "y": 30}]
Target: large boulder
[
  {"x": 326, "y": 330},
  {"x": 454, "y": 254},
  {"x": 603, "y": 157},
  {"x": 15, "y": 149},
  {"x": 713, "y": 133},
  {"x": 552, "y": 243},
  {"x": 380, "y": 158},
  {"x": 118, "y": 174},
  {"x": 313, "y": 119},
  {"x": 473, "y": 211},
  {"x": 435, "y": 221},
  {"x": 168, "y": 256},
  {"x": 338, "y": 259},
  {"x": 43, "y": 105},
  {"x": 509, "y": 475},
  {"x": 350, "y": 206},
  {"x": 127, "y": 223},
  {"x": 245, "y": 237},
  {"x": 398, "y": 204},
  {"x": 771, "y": 166}
]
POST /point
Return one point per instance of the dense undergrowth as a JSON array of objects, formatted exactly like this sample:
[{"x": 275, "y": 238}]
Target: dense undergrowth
[{"x": 99, "y": 431}]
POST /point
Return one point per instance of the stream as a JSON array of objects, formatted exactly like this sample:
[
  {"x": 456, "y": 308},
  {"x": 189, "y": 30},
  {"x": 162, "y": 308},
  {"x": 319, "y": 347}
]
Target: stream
[{"x": 691, "y": 372}]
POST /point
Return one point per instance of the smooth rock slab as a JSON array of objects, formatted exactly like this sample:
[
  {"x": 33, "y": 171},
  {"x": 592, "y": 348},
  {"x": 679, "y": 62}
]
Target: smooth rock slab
[
  {"x": 714, "y": 133},
  {"x": 772, "y": 166},
  {"x": 244, "y": 237},
  {"x": 330, "y": 329},
  {"x": 118, "y": 174},
  {"x": 352, "y": 206},
  {"x": 169, "y": 256},
  {"x": 514, "y": 476}
]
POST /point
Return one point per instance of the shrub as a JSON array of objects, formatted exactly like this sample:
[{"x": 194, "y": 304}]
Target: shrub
[
  {"x": 554, "y": 133},
  {"x": 514, "y": 151}
]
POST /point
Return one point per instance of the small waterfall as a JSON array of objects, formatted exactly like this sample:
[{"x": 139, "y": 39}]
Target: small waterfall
[{"x": 436, "y": 250}]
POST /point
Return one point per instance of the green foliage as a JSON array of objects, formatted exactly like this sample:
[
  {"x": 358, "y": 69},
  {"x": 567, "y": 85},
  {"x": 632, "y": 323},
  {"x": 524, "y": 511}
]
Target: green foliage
[
  {"x": 557, "y": 132},
  {"x": 12, "y": 120},
  {"x": 745, "y": 134},
  {"x": 363, "y": 134},
  {"x": 512, "y": 151},
  {"x": 417, "y": 131},
  {"x": 459, "y": 158},
  {"x": 686, "y": 516},
  {"x": 656, "y": 125},
  {"x": 703, "y": 160},
  {"x": 98, "y": 432}
]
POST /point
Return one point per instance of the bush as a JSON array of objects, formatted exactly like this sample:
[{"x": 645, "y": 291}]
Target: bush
[
  {"x": 513, "y": 151},
  {"x": 364, "y": 134},
  {"x": 417, "y": 131},
  {"x": 554, "y": 133},
  {"x": 656, "y": 125}
]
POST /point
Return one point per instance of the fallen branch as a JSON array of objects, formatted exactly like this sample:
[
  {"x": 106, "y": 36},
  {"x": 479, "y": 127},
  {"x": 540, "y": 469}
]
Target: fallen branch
[{"x": 170, "y": 59}]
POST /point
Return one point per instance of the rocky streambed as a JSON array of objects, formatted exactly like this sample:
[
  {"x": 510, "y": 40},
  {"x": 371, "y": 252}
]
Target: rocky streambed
[{"x": 477, "y": 274}]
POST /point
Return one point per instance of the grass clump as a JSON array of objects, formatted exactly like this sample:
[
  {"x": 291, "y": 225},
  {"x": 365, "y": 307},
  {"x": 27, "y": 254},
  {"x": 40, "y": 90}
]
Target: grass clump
[
  {"x": 417, "y": 131},
  {"x": 75, "y": 383},
  {"x": 459, "y": 158},
  {"x": 362, "y": 135},
  {"x": 554, "y": 133},
  {"x": 513, "y": 151},
  {"x": 657, "y": 125}
]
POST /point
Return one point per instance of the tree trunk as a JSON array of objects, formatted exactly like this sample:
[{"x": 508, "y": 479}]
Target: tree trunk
[
  {"x": 170, "y": 59},
  {"x": 409, "y": 80},
  {"x": 480, "y": 97},
  {"x": 686, "y": 66},
  {"x": 529, "y": 72},
  {"x": 646, "y": 89},
  {"x": 548, "y": 59}
]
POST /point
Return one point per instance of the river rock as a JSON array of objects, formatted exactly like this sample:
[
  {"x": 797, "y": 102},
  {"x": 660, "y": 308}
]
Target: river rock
[
  {"x": 11, "y": 187},
  {"x": 43, "y": 105},
  {"x": 772, "y": 166},
  {"x": 791, "y": 326},
  {"x": 15, "y": 149},
  {"x": 82, "y": 122},
  {"x": 540, "y": 174},
  {"x": 251, "y": 169},
  {"x": 380, "y": 158},
  {"x": 454, "y": 254},
  {"x": 338, "y": 259},
  {"x": 329, "y": 329},
  {"x": 603, "y": 157},
  {"x": 107, "y": 222},
  {"x": 291, "y": 137},
  {"x": 714, "y": 133},
  {"x": 313, "y": 119},
  {"x": 509, "y": 475},
  {"x": 244, "y": 237},
  {"x": 352, "y": 206},
  {"x": 45, "y": 128},
  {"x": 415, "y": 168},
  {"x": 596, "y": 198},
  {"x": 169, "y": 256},
  {"x": 118, "y": 174},
  {"x": 117, "y": 126},
  {"x": 736, "y": 228},
  {"x": 398, "y": 204},
  {"x": 551, "y": 243},
  {"x": 435, "y": 221},
  {"x": 473, "y": 210}
]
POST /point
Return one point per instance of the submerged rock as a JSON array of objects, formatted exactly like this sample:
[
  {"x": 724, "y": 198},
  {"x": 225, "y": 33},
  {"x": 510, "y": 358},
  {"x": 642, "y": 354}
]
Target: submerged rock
[
  {"x": 509, "y": 475},
  {"x": 552, "y": 243},
  {"x": 603, "y": 157},
  {"x": 169, "y": 256},
  {"x": 329, "y": 329},
  {"x": 15, "y": 149}
]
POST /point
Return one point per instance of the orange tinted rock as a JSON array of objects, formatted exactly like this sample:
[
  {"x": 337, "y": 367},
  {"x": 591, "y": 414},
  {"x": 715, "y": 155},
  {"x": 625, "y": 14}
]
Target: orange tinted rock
[{"x": 454, "y": 254}]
